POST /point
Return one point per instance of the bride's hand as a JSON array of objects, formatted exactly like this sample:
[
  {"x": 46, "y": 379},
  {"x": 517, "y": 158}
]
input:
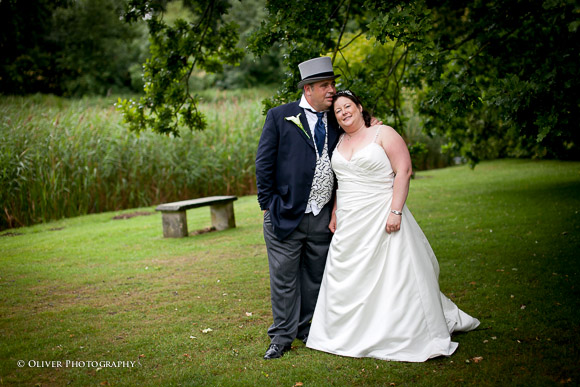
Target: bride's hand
[
  {"x": 332, "y": 224},
  {"x": 393, "y": 223}
]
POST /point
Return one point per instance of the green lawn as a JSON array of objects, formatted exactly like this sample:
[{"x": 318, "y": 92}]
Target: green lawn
[{"x": 195, "y": 311}]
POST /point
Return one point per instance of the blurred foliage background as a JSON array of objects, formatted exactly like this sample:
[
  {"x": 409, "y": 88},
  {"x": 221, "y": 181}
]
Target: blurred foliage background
[{"x": 85, "y": 47}]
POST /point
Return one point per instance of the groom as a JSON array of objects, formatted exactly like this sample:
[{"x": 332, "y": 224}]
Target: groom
[{"x": 295, "y": 188}]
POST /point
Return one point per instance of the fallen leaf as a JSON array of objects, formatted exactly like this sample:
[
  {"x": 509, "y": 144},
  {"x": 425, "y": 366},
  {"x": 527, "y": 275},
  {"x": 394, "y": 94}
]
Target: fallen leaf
[
  {"x": 248, "y": 314},
  {"x": 522, "y": 307},
  {"x": 298, "y": 384},
  {"x": 140, "y": 356},
  {"x": 207, "y": 330},
  {"x": 477, "y": 359}
]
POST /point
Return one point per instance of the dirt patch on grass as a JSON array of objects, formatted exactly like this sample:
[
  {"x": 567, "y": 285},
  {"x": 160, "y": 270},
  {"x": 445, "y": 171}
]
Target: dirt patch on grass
[
  {"x": 10, "y": 234},
  {"x": 202, "y": 231},
  {"x": 132, "y": 215}
]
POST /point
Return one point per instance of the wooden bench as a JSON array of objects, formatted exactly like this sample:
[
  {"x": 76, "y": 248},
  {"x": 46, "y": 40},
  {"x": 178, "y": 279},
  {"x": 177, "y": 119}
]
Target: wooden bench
[{"x": 175, "y": 220}]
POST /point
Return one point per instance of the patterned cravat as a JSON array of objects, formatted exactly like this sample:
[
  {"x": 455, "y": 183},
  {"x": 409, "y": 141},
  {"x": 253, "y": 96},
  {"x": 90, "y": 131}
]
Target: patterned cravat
[{"x": 319, "y": 133}]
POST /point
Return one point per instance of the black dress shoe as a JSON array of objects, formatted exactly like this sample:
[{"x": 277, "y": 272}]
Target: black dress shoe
[{"x": 275, "y": 351}]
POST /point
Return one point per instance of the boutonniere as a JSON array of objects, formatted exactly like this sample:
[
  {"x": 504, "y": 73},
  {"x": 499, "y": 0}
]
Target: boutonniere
[{"x": 296, "y": 120}]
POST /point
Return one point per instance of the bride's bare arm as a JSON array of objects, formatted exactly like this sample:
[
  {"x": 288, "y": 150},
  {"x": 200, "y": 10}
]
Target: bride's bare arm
[{"x": 398, "y": 154}]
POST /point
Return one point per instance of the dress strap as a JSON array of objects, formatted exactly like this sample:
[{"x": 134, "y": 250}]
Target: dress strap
[
  {"x": 339, "y": 140},
  {"x": 377, "y": 134}
]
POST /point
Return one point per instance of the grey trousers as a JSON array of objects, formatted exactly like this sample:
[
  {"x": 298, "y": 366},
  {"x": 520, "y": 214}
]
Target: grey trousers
[{"x": 296, "y": 267}]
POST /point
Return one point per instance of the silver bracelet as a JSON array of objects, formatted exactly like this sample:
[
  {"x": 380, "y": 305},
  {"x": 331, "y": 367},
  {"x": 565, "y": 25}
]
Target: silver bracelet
[{"x": 397, "y": 212}]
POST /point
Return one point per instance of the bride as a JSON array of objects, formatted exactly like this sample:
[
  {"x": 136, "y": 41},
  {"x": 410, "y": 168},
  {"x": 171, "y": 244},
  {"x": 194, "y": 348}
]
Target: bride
[{"x": 380, "y": 294}]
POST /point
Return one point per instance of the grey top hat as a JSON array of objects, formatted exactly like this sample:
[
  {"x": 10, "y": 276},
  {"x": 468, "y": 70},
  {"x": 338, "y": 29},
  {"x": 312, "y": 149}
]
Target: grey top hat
[{"x": 314, "y": 70}]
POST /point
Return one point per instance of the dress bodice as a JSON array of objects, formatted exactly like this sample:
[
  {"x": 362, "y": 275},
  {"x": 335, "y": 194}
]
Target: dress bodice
[{"x": 369, "y": 168}]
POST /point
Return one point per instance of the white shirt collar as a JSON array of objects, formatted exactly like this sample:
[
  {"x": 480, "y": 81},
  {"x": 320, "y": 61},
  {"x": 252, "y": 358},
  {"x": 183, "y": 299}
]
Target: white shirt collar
[{"x": 305, "y": 105}]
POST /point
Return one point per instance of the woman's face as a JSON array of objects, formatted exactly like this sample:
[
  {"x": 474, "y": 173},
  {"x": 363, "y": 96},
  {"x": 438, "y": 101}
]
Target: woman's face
[{"x": 348, "y": 114}]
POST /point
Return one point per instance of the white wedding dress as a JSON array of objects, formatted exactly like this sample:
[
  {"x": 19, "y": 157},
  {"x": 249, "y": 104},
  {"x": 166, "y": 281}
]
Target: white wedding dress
[{"x": 380, "y": 294}]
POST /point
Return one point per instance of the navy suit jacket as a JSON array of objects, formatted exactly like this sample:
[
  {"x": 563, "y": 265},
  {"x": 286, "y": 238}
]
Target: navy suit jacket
[{"x": 285, "y": 164}]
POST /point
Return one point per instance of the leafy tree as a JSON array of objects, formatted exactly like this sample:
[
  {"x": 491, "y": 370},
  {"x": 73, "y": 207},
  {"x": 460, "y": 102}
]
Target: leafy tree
[
  {"x": 67, "y": 47},
  {"x": 303, "y": 34},
  {"x": 252, "y": 70},
  {"x": 496, "y": 78},
  {"x": 97, "y": 48},
  {"x": 28, "y": 63},
  {"x": 295, "y": 30},
  {"x": 503, "y": 78},
  {"x": 206, "y": 43}
]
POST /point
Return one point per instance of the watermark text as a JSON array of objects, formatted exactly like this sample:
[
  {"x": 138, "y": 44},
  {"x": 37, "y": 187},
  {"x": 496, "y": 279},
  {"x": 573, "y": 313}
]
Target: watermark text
[{"x": 77, "y": 363}]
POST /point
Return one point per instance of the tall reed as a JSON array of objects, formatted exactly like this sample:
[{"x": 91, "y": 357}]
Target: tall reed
[{"x": 62, "y": 158}]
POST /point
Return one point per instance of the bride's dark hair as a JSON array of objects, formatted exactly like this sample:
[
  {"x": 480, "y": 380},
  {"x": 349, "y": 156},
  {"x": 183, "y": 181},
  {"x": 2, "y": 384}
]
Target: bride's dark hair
[{"x": 352, "y": 96}]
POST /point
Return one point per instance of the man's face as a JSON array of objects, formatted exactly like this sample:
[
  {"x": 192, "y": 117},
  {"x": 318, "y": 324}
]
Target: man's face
[{"x": 319, "y": 94}]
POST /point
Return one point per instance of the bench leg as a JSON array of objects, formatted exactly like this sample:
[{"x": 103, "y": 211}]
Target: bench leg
[
  {"x": 222, "y": 216},
  {"x": 174, "y": 224}
]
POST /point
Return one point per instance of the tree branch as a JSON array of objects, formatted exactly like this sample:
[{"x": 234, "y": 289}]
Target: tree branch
[
  {"x": 206, "y": 14},
  {"x": 341, "y": 31},
  {"x": 352, "y": 40}
]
